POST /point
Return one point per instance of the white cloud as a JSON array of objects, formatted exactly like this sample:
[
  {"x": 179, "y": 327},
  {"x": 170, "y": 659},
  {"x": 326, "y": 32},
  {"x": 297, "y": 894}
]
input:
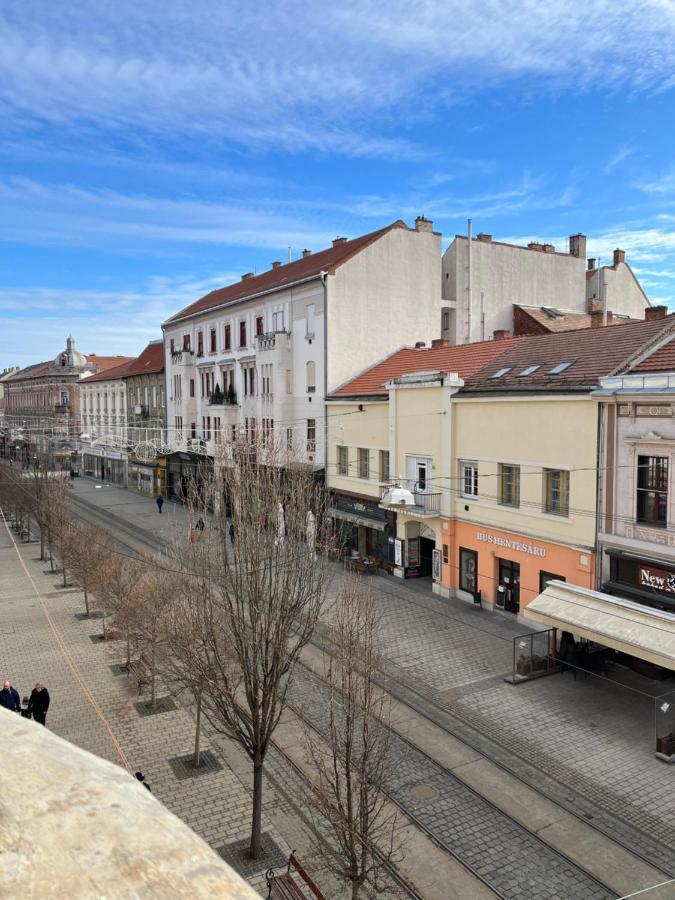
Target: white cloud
[{"x": 621, "y": 155}]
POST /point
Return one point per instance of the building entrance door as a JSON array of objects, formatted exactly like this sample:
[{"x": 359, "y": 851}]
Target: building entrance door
[
  {"x": 426, "y": 556},
  {"x": 509, "y": 580}
]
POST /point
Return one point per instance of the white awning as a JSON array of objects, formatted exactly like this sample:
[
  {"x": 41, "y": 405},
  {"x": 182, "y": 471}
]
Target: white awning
[
  {"x": 629, "y": 627},
  {"x": 357, "y": 520}
]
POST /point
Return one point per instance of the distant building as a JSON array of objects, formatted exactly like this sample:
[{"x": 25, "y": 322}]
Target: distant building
[
  {"x": 43, "y": 401},
  {"x": 486, "y": 283}
]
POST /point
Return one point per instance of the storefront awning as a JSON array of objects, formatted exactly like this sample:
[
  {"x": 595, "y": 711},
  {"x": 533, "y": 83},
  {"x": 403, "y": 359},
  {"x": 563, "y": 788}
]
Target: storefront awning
[
  {"x": 357, "y": 520},
  {"x": 629, "y": 627}
]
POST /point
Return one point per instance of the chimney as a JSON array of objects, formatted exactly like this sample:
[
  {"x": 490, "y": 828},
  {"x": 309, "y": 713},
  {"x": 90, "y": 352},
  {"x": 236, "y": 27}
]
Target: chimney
[
  {"x": 339, "y": 240},
  {"x": 306, "y": 253},
  {"x": 439, "y": 343},
  {"x": 549, "y": 248},
  {"x": 596, "y": 318},
  {"x": 484, "y": 238},
  {"x": 655, "y": 312},
  {"x": 591, "y": 263},
  {"x": 246, "y": 276},
  {"x": 536, "y": 246},
  {"x": 276, "y": 264},
  {"x": 619, "y": 256},
  {"x": 419, "y": 345},
  {"x": 578, "y": 246},
  {"x": 501, "y": 334},
  {"x": 594, "y": 306},
  {"x": 423, "y": 224}
]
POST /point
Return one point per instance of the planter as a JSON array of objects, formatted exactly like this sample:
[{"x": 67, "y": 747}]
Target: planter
[{"x": 666, "y": 745}]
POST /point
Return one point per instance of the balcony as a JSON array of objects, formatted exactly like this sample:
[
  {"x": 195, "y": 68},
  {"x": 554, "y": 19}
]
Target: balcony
[
  {"x": 141, "y": 410},
  {"x": 220, "y": 399},
  {"x": 182, "y": 357},
  {"x": 62, "y": 407},
  {"x": 270, "y": 340},
  {"x": 426, "y": 503}
]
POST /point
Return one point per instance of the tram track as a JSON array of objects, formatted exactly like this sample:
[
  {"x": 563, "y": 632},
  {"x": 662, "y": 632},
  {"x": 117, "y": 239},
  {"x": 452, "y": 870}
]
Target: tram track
[{"x": 135, "y": 536}]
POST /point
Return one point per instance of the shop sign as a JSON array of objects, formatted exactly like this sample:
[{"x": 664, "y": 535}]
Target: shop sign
[
  {"x": 657, "y": 579},
  {"x": 437, "y": 564},
  {"x": 413, "y": 553},
  {"x": 398, "y": 553},
  {"x": 102, "y": 451},
  {"x": 508, "y": 544}
]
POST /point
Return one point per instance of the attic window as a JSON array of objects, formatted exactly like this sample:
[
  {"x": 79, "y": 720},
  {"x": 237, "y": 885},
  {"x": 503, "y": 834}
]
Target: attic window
[
  {"x": 529, "y": 370},
  {"x": 556, "y": 370},
  {"x": 502, "y": 372}
]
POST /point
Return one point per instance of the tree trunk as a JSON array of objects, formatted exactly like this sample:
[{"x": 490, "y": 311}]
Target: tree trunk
[
  {"x": 356, "y": 890},
  {"x": 65, "y": 578},
  {"x": 195, "y": 761},
  {"x": 128, "y": 663},
  {"x": 103, "y": 623},
  {"x": 42, "y": 546},
  {"x": 86, "y": 599},
  {"x": 255, "y": 849}
]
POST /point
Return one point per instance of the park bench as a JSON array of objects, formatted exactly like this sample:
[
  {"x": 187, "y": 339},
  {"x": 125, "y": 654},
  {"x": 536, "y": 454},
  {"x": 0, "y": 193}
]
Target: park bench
[
  {"x": 282, "y": 885},
  {"x": 140, "y": 670}
]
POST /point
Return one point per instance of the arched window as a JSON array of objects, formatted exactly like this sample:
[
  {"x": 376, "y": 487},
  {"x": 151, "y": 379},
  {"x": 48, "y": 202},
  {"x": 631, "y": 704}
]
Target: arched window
[{"x": 311, "y": 377}]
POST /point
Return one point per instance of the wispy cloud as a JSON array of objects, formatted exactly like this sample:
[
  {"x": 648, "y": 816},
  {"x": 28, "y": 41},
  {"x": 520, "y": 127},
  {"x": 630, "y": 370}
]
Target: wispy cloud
[{"x": 621, "y": 155}]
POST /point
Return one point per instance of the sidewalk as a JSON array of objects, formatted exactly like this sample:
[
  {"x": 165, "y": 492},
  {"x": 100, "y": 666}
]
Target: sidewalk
[{"x": 587, "y": 739}]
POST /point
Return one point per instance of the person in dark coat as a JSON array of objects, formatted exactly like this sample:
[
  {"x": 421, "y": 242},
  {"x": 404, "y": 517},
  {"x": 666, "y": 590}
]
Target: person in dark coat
[
  {"x": 9, "y": 697},
  {"x": 39, "y": 703},
  {"x": 160, "y": 503}
]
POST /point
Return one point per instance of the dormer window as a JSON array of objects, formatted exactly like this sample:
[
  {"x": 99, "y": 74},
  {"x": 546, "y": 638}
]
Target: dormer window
[
  {"x": 502, "y": 372},
  {"x": 528, "y": 371}
]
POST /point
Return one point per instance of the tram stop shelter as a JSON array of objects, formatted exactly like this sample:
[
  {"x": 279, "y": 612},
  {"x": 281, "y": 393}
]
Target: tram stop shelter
[{"x": 632, "y": 630}]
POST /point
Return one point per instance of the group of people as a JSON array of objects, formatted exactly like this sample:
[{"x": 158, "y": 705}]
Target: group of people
[{"x": 33, "y": 707}]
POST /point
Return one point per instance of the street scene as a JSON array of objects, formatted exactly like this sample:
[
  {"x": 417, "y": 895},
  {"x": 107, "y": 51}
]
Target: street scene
[{"x": 337, "y": 451}]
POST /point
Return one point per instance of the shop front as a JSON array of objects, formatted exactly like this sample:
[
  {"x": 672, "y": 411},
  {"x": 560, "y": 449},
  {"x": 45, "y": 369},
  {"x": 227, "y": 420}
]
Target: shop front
[
  {"x": 105, "y": 465},
  {"x": 363, "y": 529},
  {"x": 647, "y": 581},
  {"x": 503, "y": 570},
  {"x": 184, "y": 471},
  {"x": 141, "y": 477}
]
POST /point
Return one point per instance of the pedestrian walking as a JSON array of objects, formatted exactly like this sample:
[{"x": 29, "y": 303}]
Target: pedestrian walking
[
  {"x": 160, "y": 503},
  {"x": 200, "y": 524},
  {"x": 9, "y": 697},
  {"x": 232, "y": 532},
  {"x": 39, "y": 703}
]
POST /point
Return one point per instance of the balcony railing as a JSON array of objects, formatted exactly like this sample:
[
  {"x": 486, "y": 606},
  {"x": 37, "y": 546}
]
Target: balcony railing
[
  {"x": 268, "y": 340},
  {"x": 222, "y": 400},
  {"x": 61, "y": 407},
  {"x": 426, "y": 503}
]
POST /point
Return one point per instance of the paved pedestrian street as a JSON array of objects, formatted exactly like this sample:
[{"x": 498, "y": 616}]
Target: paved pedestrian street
[{"x": 45, "y": 637}]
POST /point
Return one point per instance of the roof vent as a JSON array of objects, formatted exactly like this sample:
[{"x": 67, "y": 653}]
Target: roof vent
[
  {"x": 306, "y": 252},
  {"x": 276, "y": 264},
  {"x": 419, "y": 345},
  {"x": 501, "y": 334},
  {"x": 423, "y": 224},
  {"x": 339, "y": 240},
  {"x": 246, "y": 276},
  {"x": 484, "y": 238}
]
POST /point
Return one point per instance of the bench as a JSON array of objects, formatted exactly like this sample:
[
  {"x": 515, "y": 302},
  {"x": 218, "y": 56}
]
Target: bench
[
  {"x": 140, "y": 670},
  {"x": 282, "y": 885}
]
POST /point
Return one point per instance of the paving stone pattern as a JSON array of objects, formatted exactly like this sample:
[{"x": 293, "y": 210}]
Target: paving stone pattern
[{"x": 511, "y": 860}]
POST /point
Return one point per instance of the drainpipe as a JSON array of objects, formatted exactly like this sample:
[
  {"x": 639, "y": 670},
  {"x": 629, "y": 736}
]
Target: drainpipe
[{"x": 324, "y": 281}]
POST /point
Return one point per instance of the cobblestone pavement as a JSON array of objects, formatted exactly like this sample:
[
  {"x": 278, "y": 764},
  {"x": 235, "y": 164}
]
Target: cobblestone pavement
[
  {"x": 215, "y": 804},
  {"x": 512, "y": 861},
  {"x": 585, "y": 742}
]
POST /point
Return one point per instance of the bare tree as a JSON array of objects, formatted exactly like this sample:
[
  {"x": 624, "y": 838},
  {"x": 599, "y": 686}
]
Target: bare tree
[
  {"x": 87, "y": 547},
  {"x": 351, "y": 749},
  {"x": 253, "y": 606},
  {"x": 153, "y": 600}
]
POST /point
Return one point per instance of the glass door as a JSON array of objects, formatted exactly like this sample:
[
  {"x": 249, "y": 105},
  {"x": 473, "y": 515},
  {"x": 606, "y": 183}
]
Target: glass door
[{"x": 509, "y": 579}]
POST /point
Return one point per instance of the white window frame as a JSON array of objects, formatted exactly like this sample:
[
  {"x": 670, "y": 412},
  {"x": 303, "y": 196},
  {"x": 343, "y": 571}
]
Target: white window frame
[{"x": 468, "y": 466}]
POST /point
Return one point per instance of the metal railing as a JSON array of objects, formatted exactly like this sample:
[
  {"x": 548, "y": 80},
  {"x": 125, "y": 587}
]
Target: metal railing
[{"x": 425, "y": 501}]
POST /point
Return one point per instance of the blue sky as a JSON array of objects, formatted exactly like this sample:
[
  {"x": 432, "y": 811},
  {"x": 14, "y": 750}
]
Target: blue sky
[{"x": 152, "y": 151}]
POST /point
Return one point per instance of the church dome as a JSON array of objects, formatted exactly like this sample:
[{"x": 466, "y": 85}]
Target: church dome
[{"x": 70, "y": 357}]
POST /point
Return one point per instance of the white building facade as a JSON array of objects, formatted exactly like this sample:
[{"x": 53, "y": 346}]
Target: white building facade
[
  {"x": 484, "y": 278},
  {"x": 260, "y": 356},
  {"x": 103, "y": 414}
]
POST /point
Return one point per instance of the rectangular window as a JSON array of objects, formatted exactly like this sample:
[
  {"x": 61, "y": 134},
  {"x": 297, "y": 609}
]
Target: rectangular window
[
  {"x": 212, "y": 340},
  {"x": 193, "y": 430},
  {"x": 311, "y": 377},
  {"x": 468, "y": 570},
  {"x": 242, "y": 334},
  {"x": 161, "y": 397},
  {"x": 251, "y": 381},
  {"x": 363, "y": 462},
  {"x": 384, "y": 465},
  {"x": 446, "y": 557},
  {"x": 228, "y": 337},
  {"x": 509, "y": 485},
  {"x": 469, "y": 472},
  {"x": 311, "y": 435},
  {"x": 652, "y": 490},
  {"x": 216, "y": 429},
  {"x": 154, "y": 396},
  {"x": 200, "y": 343},
  {"x": 186, "y": 342},
  {"x": 172, "y": 346},
  {"x": 557, "y": 492},
  {"x": 310, "y": 311},
  {"x": 289, "y": 439},
  {"x": 343, "y": 460},
  {"x": 289, "y": 381},
  {"x": 259, "y": 326},
  {"x": 278, "y": 321}
]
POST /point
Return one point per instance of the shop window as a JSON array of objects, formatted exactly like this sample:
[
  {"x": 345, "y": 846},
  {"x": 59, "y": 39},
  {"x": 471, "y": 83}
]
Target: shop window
[
  {"x": 468, "y": 570},
  {"x": 557, "y": 492},
  {"x": 545, "y": 577},
  {"x": 469, "y": 472},
  {"x": 384, "y": 465},
  {"x": 509, "y": 485},
  {"x": 652, "y": 490},
  {"x": 364, "y": 463},
  {"x": 343, "y": 460}
]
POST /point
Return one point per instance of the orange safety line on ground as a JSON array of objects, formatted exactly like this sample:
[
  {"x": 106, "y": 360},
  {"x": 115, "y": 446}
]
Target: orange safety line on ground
[{"x": 66, "y": 655}]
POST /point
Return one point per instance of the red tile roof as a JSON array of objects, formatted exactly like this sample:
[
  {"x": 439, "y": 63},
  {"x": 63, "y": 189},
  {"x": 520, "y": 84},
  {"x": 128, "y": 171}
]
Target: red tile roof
[
  {"x": 150, "y": 362},
  {"x": 566, "y": 320},
  {"x": 464, "y": 360},
  {"x": 594, "y": 352},
  {"x": 661, "y": 360},
  {"x": 112, "y": 372},
  {"x": 285, "y": 275},
  {"x": 107, "y": 362}
]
